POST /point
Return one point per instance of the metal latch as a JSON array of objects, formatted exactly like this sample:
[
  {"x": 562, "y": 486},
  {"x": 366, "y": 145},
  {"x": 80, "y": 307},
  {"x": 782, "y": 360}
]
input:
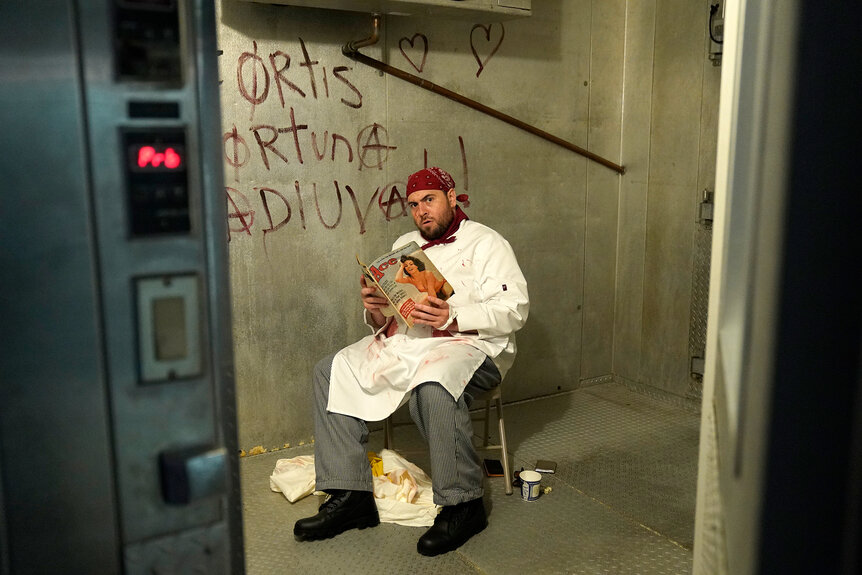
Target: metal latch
[
  {"x": 698, "y": 365},
  {"x": 193, "y": 473},
  {"x": 705, "y": 210}
]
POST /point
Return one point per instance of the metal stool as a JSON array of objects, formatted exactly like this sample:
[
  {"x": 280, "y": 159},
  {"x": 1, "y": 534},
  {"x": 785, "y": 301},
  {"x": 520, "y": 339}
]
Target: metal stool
[{"x": 495, "y": 396}]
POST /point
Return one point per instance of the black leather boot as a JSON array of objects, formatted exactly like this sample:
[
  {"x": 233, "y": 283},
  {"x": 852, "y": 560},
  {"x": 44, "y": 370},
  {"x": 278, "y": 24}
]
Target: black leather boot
[
  {"x": 343, "y": 510},
  {"x": 454, "y": 525}
]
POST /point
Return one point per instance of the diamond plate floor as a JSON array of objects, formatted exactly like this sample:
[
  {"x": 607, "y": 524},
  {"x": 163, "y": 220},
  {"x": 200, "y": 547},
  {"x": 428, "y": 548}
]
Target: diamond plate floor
[{"x": 622, "y": 501}]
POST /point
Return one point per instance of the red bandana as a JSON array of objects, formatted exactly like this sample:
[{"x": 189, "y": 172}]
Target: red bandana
[
  {"x": 430, "y": 179},
  {"x": 434, "y": 178}
]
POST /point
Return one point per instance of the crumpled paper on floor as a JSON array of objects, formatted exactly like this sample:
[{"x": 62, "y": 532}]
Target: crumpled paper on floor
[{"x": 402, "y": 492}]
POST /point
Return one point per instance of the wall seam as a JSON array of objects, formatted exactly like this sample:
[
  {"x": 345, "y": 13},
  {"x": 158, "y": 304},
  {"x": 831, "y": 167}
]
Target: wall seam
[
  {"x": 648, "y": 169},
  {"x": 586, "y": 204},
  {"x": 620, "y": 189}
]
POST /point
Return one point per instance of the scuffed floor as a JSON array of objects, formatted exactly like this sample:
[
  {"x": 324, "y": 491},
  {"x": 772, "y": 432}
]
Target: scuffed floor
[{"x": 622, "y": 500}]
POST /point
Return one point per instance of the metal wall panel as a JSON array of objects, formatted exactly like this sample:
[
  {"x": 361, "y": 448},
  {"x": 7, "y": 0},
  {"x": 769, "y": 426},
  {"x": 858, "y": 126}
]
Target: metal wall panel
[
  {"x": 675, "y": 138},
  {"x": 635, "y": 152},
  {"x": 607, "y": 52},
  {"x": 55, "y": 443}
]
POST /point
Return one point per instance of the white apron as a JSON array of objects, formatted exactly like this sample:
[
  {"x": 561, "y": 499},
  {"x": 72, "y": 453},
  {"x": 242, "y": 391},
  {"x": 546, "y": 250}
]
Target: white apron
[{"x": 372, "y": 377}]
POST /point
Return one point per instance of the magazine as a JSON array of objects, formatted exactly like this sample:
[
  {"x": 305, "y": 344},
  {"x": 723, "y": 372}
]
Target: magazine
[{"x": 405, "y": 276}]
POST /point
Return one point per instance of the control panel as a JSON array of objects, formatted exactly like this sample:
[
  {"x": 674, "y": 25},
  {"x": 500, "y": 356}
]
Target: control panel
[{"x": 118, "y": 316}]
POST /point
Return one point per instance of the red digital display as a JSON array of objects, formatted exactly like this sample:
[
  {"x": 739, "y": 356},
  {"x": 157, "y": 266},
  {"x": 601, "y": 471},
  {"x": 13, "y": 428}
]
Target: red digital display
[{"x": 156, "y": 158}]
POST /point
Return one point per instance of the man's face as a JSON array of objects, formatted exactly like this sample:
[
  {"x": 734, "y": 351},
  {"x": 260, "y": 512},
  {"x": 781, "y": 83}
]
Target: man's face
[{"x": 432, "y": 211}]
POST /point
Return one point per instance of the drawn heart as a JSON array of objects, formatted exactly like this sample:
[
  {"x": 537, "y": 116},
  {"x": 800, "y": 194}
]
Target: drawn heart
[
  {"x": 487, "y": 30},
  {"x": 412, "y": 42}
]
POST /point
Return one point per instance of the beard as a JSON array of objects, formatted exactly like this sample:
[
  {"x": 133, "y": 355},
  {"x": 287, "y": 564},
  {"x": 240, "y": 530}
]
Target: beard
[{"x": 439, "y": 228}]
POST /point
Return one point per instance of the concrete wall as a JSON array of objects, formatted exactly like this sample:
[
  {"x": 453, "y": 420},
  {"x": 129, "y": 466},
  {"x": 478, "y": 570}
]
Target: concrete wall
[
  {"x": 669, "y": 119},
  {"x": 318, "y": 148}
]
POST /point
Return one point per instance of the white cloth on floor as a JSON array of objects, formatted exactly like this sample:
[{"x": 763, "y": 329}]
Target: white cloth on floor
[
  {"x": 403, "y": 493},
  {"x": 293, "y": 477}
]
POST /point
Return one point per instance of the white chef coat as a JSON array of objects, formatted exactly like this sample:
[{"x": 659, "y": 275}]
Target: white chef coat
[{"x": 374, "y": 376}]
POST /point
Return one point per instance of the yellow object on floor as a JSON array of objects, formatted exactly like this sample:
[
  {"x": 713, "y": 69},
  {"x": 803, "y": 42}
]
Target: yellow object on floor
[{"x": 376, "y": 464}]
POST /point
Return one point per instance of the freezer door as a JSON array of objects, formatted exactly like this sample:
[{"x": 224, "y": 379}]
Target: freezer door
[{"x": 118, "y": 436}]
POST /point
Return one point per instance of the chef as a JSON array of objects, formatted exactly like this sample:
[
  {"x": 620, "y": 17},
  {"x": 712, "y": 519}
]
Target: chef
[{"x": 456, "y": 348}]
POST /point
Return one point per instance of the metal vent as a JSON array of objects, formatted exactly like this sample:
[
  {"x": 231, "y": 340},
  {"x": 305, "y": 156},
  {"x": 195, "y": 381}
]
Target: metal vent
[{"x": 461, "y": 9}]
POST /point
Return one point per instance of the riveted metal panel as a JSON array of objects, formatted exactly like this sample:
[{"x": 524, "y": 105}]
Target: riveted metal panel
[{"x": 621, "y": 501}]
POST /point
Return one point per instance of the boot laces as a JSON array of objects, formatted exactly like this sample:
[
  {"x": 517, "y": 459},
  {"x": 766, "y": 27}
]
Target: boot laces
[{"x": 332, "y": 500}]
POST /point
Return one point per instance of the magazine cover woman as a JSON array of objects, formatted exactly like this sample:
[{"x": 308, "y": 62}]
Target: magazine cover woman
[{"x": 413, "y": 271}]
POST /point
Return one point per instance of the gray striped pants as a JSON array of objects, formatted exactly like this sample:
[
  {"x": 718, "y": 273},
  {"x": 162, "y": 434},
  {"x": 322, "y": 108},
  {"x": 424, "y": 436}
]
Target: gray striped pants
[{"x": 339, "y": 440}]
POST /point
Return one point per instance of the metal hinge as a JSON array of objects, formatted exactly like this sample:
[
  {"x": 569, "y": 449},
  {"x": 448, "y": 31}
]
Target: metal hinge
[{"x": 698, "y": 365}]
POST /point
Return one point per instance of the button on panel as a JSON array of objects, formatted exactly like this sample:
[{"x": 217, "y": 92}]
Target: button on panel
[{"x": 168, "y": 328}]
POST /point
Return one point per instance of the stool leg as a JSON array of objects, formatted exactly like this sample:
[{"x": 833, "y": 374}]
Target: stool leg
[
  {"x": 387, "y": 433},
  {"x": 486, "y": 437},
  {"x": 505, "y": 449}
]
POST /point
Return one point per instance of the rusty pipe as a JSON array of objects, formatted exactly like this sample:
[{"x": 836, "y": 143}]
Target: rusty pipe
[{"x": 353, "y": 47}]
